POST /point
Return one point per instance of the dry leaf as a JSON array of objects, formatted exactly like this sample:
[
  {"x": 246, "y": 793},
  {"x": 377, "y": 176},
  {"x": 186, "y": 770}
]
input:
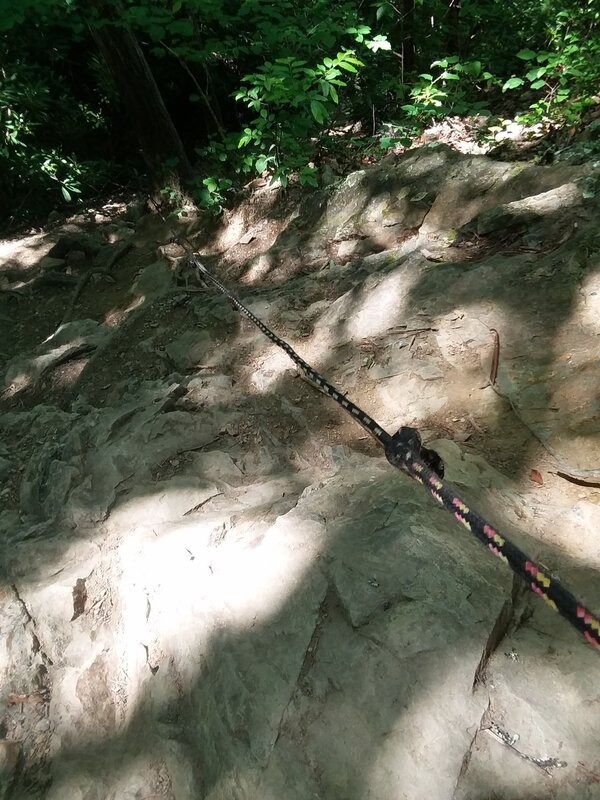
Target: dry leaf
[{"x": 535, "y": 476}]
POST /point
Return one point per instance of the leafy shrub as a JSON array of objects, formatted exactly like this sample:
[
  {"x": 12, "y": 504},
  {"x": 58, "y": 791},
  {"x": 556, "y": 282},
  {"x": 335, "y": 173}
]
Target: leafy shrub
[
  {"x": 448, "y": 89},
  {"x": 566, "y": 76}
]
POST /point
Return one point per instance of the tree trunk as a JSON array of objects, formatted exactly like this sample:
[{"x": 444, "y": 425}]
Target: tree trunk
[
  {"x": 408, "y": 43},
  {"x": 159, "y": 141},
  {"x": 401, "y": 35},
  {"x": 453, "y": 38}
]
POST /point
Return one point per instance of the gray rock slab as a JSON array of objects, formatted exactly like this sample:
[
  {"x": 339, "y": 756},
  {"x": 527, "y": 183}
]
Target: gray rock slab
[
  {"x": 558, "y": 400},
  {"x": 203, "y": 612},
  {"x": 70, "y": 340},
  {"x": 48, "y": 263},
  {"x": 154, "y": 280},
  {"x": 189, "y": 350}
]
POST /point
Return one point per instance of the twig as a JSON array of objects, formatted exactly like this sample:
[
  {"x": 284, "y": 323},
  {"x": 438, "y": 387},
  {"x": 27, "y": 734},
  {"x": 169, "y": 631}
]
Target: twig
[
  {"x": 543, "y": 764},
  {"x": 495, "y": 357}
]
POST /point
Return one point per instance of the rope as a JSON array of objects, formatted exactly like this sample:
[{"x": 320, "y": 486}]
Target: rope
[{"x": 405, "y": 451}]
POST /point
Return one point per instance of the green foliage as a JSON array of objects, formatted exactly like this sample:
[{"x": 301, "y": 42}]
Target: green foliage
[
  {"x": 209, "y": 193},
  {"x": 448, "y": 89},
  {"x": 566, "y": 77},
  {"x": 269, "y": 88},
  {"x": 49, "y": 128},
  {"x": 292, "y": 101}
]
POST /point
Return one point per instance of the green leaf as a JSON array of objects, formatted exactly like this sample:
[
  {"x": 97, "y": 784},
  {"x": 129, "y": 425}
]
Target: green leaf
[
  {"x": 512, "y": 83},
  {"x": 156, "y": 32},
  {"x": 308, "y": 180},
  {"x": 378, "y": 42},
  {"x": 318, "y": 111},
  {"x": 349, "y": 58},
  {"x": 245, "y": 139},
  {"x": 183, "y": 27},
  {"x": 526, "y": 54},
  {"x": 538, "y": 84},
  {"x": 261, "y": 163},
  {"x": 65, "y": 193}
]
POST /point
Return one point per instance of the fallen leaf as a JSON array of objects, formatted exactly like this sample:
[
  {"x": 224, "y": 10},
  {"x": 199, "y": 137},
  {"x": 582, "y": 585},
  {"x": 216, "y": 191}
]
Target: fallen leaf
[{"x": 535, "y": 476}]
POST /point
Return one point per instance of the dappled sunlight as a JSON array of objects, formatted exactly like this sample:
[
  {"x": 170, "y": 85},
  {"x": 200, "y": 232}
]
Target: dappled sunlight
[
  {"x": 324, "y": 341},
  {"x": 116, "y": 315},
  {"x": 384, "y": 305},
  {"x": 270, "y": 371},
  {"x": 258, "y": 269},
  {"x": 24, "y": 253},
  {"x": 276, "y": 363},
  {"x": 219, "y": 581},
  {"x": 69, "y": 342},
  {"x": 590, "y": 294},
  {"x": 183, "y": 583},
  {"x": 427, "y": 720},
  {"x": 234, "y": 580},
  {"x": 233, "y": 231},
  {"x": 16, "y": 384},
  {"x": 161, "y": 502}
]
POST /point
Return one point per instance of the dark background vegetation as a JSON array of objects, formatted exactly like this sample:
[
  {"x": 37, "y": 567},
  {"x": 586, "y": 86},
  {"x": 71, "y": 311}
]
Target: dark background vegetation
[{"x": 192, "y": 98}]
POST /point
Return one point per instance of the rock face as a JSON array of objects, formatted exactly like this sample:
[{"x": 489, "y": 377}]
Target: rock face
[
  {"x": 213, "y": 588},
  {"x": 69, "y": 341}
]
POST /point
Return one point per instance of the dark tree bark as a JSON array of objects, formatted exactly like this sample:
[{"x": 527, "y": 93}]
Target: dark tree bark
[
  {"x": 453, "y": 37},
  {"x": 401, "y": 35},
  {"x": 153, "y": 126},
  {"x": 408, "y": 42}
]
